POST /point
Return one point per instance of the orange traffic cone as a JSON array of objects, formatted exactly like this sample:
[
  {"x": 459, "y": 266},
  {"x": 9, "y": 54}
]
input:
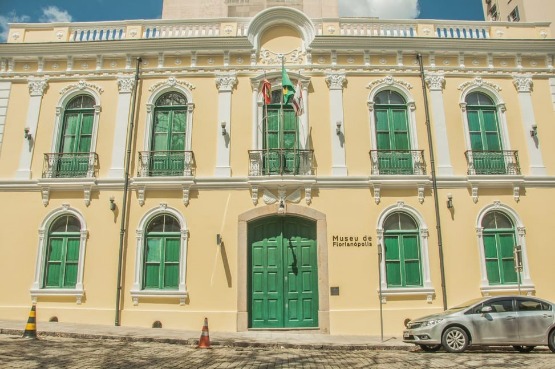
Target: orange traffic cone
[
  {"x": 204, "y": 341},
  {"x": 31, "y": 327}
]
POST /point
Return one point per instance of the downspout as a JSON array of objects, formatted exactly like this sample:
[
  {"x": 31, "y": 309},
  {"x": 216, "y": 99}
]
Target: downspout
[
  {"x": 125, "y": 192},
  {"x": 434, "y": 182}
]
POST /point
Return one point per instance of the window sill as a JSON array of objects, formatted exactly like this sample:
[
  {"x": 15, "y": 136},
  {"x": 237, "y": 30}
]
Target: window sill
[
  {"x": 77, "y": 293},
  {"x": 169, "y": 294},
  {"x": 507, "y": 289},
  {"x": 428, "y": 292}
]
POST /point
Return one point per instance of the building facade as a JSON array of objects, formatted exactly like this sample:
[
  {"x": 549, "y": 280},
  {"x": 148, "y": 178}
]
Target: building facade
[
  {"x": 145, "y": 179},
  {"x": 520, "y": 11}
]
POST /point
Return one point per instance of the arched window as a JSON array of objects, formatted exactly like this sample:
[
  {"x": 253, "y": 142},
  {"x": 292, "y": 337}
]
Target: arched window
[
  {"x": 73, "y": 157},
  {"x": 402, "y": 251},
  {"x": 62, "y": 254},
  {"x": 486, "y": 144},
  {"x": 392, "y": 133},
  {"x": 168, "y": 136},
  {"x": 162, "y": 253},
  {"x": 499, "y": 242},
  {"x": 280, "y": 137}
]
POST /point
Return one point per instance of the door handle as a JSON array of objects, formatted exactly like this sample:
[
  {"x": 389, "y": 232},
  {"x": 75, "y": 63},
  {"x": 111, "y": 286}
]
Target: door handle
[
  {"x": 510, "y": 318},
  {"x": 547, "y": 316}
]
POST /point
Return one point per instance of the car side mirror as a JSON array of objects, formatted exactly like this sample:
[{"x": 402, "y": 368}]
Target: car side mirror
[{"x": 486, "y": 309}]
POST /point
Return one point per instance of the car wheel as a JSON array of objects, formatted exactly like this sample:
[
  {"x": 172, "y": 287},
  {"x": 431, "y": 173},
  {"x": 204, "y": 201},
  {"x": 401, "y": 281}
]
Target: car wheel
[
  {"x": 523, "y": 348},
  {"x": 430, "y": 348},
  {"x": 551, "y": 340},
  {"x": 455, "y": 339}
]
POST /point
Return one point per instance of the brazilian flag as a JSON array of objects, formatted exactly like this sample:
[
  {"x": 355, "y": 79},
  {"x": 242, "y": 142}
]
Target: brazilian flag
[{"x": 288, "y": 89}]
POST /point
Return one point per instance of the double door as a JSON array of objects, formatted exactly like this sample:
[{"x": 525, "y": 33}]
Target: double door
[{"x": 283, "y": 273}]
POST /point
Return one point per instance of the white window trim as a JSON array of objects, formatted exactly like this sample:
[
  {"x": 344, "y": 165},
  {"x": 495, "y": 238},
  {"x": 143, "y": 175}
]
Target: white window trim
[
  {"x": 427, "y": 288},
  {"x": 275, "y": 79},
  {"x": 479, "y": 86},
  {"x": 170, "y": 86},
  {"x": 137, "y": 291},
  {"x": 71, "y": 92},
  {"x": 526, "y": 283},
  {"x": 36, "y": 289},
  {"x": 401, "y": 88}
]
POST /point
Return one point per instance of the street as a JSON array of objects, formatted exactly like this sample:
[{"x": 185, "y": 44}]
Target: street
[{"x": 56, "y": 352}]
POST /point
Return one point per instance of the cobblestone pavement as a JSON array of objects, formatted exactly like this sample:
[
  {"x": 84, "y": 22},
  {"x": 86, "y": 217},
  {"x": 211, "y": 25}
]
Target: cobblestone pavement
[{"x": 61, "y": 353}]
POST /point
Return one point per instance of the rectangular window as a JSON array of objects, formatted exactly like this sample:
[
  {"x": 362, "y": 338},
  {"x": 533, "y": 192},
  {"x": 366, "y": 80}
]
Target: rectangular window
[{"x": 514, "y": 16}]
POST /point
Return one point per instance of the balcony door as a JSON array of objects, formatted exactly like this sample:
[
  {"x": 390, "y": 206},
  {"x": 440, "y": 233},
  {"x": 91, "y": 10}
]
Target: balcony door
[
  {"x": 73, "y": 155},
  {"x": 281, "y": 138},
  {"x": 168, "y": 135},
  {"x": 485, "y": 138},
  {"x": 392, "y": 133}
]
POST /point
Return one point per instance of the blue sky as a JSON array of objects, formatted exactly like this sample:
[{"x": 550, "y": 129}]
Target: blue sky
[{"x": 102, "y": 10}]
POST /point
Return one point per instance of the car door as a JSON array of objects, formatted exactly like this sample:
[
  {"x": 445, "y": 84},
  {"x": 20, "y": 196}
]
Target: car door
[
  {"x": 534, "y": 320},
  {"x": 498, "y": 325}
]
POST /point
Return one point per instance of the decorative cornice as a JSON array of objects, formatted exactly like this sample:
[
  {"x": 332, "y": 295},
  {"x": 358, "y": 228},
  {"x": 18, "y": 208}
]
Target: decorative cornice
[
  {"x": 172, "y": 82},
  {"x": 523, "y": 83},
  {"x": 336, "y": 81},
  {"x": 390, "y": 81},
  {"x": 269, "y": 57},
  {"x": 81, "y": 85},
  {"x": 37, "y": 86},
  {"x": 226, "y": 82},
  {"x": 478, "y": 82}
]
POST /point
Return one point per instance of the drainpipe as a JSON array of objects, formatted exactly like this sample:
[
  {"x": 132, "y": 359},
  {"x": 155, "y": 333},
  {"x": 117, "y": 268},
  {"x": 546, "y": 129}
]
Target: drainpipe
[
  {"x": 125, "y": 192},
  {"x": 434, "y": 182}
]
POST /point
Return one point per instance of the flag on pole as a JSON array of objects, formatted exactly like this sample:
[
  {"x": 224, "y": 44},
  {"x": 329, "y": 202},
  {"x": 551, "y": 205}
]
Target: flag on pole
[
  {"x": 288, "y": 89},
  {"x": 266, "y": 91},
  {"x": 297, "y": 101}
]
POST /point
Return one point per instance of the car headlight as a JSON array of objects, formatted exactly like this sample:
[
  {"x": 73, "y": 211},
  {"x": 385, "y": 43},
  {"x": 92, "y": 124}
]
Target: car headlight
[{"x": 429, "y": 323}]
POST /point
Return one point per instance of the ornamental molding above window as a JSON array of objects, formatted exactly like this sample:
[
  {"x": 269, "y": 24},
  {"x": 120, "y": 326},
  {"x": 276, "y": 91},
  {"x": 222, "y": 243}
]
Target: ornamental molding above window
[
  {"x": 270, "y": 57},
  {"x": 171, "y": 82},
  {"x": 477, "y": 83},
  {"x": 389, "y": 81},
  {"x": 81, "y": 85}
]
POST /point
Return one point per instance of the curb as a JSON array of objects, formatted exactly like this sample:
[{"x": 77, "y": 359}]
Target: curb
[{"x": 218, "y": 343}]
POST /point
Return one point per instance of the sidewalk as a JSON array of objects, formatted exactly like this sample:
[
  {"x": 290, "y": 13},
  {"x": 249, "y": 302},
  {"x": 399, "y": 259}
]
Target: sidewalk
[{"x": 269, "y": 339}]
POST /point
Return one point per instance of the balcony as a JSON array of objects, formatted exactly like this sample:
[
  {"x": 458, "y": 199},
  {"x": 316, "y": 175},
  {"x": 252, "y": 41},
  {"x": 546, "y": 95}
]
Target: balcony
[
  {"x": 70, "y": 165},
  {"x": 166, "y": 163},
  {"x": 398, "y": 162},
  {"x": 503, "y": 162},
  {"x": 281, "y": 162}
]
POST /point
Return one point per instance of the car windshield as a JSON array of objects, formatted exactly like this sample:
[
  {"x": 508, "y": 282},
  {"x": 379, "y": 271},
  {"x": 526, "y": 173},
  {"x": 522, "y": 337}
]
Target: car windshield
[{"x": 465, "y": 305}]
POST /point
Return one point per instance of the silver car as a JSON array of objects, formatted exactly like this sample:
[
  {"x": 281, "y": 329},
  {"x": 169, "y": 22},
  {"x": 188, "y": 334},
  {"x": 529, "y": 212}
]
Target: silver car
[{"x": 519, "y": 321}]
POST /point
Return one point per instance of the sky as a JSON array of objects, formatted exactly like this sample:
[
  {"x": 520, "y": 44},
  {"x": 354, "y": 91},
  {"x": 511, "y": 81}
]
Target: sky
[{"x": 31, "y": 11}]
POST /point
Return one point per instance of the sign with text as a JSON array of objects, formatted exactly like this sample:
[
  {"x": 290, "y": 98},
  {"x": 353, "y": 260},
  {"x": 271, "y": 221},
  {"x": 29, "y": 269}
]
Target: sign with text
[{"x": 351, "y": 241}]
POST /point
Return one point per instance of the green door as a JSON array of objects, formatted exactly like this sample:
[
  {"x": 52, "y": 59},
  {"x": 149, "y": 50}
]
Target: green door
[{"x": 283, "y": 273}]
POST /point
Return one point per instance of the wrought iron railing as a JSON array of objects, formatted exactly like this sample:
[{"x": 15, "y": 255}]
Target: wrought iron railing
[
  {"x": 492, "y": 162},
  {"x": 70, "y": 165},
  {"x": 281, "y": 162},
  {"x": 409, "y": 162},
  {"x": 166, "y": 163}
]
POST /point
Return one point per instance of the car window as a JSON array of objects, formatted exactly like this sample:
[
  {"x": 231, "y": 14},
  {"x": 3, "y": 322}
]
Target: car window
[
  {"x": 500, "y": 306},
  {"x": 532, "y": 305}
]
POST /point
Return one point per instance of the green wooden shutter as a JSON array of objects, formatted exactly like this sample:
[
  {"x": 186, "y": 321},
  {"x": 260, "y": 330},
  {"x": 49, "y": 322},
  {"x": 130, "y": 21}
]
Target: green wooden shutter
[
  {"x": 475, "y": 130},
  {"x": 152, "y": 262},
  {"x": 393, "y": 261},
  {"x": 171, "y": 263},
  {"x": 506, "y": 247},
  {"x": 411, "y": 258},
  {"x": 54, "y": 262},
  {"x": 71, "y": 262},
  {"x": 382, "y": 130},
  {"x": 492, "y": 259}
]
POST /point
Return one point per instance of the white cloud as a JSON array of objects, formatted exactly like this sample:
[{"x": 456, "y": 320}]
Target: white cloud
[
  {"x": 383, "y": 9},
  {"x": 11, "y": 17},
  {"x": 53, "y": 14}
]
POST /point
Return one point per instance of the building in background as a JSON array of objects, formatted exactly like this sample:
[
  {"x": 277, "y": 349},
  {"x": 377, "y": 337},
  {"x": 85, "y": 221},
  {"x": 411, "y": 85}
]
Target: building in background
[
  {"x": 176, "y": 9},
  {"x": 520, "y": 11},
  {"x": 151, "y": 171}
]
